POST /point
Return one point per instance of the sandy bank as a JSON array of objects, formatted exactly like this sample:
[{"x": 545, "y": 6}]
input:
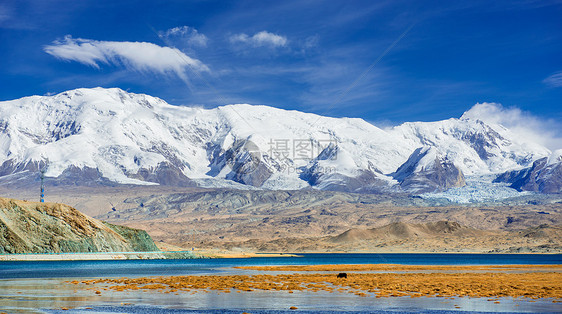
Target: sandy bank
[
  {"x": 98, "y": 256},
  {"x": 136, "y": 255},
  {"x": 217, "y": 253}
]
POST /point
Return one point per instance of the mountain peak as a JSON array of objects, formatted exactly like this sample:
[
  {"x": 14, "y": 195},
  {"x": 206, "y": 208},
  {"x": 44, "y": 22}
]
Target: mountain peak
[{"x": 129, "y": 138}]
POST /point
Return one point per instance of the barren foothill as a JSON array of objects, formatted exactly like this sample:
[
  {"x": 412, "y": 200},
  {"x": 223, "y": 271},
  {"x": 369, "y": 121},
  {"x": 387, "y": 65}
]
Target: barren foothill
[{"x": 228, "y": 221}]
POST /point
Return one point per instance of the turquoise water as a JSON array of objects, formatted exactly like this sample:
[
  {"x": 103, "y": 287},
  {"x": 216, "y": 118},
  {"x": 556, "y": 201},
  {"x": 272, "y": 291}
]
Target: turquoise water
[{"x": 43, "y": 287}]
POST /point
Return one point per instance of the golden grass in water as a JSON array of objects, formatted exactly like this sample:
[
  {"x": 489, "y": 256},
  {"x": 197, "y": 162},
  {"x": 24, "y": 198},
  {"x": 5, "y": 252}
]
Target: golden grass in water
[{"x": 528, "y": 281}]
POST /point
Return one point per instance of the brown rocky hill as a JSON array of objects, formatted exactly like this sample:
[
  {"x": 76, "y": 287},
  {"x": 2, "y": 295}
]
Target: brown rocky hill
[
  {"x": 447, "y": 236},
  {"x": 441, "y": 236},
  {"x": 32, "y": 227},
  {"x": 400, "y": 230}
]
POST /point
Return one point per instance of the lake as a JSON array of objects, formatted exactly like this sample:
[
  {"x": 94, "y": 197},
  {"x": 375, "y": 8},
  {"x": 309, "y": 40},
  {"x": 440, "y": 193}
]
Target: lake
[{"x": 41, "y": 286}]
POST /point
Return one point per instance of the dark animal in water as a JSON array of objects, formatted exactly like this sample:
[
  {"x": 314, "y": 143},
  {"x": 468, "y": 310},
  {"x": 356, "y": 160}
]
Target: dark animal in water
[{"x": 342, "y": 275}]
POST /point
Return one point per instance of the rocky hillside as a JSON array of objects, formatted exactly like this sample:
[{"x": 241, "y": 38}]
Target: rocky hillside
[{"x": 31, "y": 227}]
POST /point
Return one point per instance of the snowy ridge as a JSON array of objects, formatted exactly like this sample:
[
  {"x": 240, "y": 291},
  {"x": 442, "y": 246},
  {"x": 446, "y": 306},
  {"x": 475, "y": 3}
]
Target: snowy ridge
[
  {"x": 427, "y": 170},
  {"x": 544, "y": 176},
  {"x": 555, "y": 157},
  {"x": 477, "y": 148},
  {"x": 138, "y": 139},
  {"x": 422, "y": 159}
]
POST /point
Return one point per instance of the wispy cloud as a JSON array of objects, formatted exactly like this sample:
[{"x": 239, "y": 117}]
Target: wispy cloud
[
  {"x": 555, "y": 80},
  {"x": 138, "y": 56},
  {"x": 5, "y": 13},
  {"x": 188, "y": 35},
  {"x": 261, "y": 39},
  {"x": 524, "y": 124}
]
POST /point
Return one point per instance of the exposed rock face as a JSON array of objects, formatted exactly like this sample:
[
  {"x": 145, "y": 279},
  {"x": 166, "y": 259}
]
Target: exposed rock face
[
  {"x": 243, "y": 162},
  {"x": 164, "y": 174},
  {"x": 30, "y": 227},
  {"x": 545, "y": 176},
  {"x": 322, "y": 173},
  {"x": 427, "y": 171},
  {"x": 10, "y": 167},
  {"x": 364, "y": 182}
]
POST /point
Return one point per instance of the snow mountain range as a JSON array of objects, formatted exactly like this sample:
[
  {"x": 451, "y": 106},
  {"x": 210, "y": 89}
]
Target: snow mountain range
[{"x": 109, "y": 136}]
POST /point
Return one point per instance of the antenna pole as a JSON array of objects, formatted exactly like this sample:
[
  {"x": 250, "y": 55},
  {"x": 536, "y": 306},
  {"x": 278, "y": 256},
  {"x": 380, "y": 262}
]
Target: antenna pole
[{"x": 42, "y": 186}]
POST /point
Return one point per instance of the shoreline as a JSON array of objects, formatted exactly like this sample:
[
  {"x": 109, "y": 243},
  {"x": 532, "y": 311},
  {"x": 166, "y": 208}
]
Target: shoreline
[
  {"x": 108, "y": 256},
  {"x": 197, "y": 254},
  {"x": 98, "y": 256}
]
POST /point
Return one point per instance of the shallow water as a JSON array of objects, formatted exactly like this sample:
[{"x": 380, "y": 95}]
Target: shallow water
[
  {"x": 50, "y": 296},
  {"x": 41, "y": 286},
  {"x": 137, "y": 268}
]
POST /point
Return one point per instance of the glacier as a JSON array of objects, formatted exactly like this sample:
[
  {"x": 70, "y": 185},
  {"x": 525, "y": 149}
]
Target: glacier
[{"x": 478, "y": 189}]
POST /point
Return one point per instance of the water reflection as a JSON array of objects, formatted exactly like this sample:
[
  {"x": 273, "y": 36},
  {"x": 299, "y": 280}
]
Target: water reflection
[{"x": 29, "y": 295}]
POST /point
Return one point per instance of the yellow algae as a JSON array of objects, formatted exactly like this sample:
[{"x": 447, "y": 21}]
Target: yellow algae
[{"x": 526, "y": 282}]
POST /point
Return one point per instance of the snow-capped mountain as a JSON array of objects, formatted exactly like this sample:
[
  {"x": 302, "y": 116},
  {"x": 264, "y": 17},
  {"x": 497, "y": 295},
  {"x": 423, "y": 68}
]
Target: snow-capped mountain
[
  {"x": 545, "y": 175},
  {"x": 98, "y": 135},
  {"x": 428, "y": 171}
]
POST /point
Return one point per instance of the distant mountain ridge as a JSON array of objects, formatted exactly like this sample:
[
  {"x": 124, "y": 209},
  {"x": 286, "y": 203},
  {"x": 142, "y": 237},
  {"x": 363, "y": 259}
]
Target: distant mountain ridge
[{"x": 109, "y": 136}]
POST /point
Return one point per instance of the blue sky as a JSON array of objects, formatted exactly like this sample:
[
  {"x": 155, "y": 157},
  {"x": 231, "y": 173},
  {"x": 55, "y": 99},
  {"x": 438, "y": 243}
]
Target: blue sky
[{"x": 313, "y": 56}]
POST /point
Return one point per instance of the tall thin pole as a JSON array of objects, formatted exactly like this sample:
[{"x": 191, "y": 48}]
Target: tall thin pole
[{"x": 42, "y": 186}]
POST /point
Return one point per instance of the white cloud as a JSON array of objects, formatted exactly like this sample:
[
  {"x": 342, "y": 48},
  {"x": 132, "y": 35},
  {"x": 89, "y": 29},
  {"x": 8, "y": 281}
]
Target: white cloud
[
  {"x": 187, "y": 34},
  {"x": 555, "y": 80},
  {"x": 311, "y": 42},
  {"x": 139, "y": 56},
  {"x": 261, "y": 39},
  {"x": 4, "y": 14},
  {"x": 545, "y": 132}
]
